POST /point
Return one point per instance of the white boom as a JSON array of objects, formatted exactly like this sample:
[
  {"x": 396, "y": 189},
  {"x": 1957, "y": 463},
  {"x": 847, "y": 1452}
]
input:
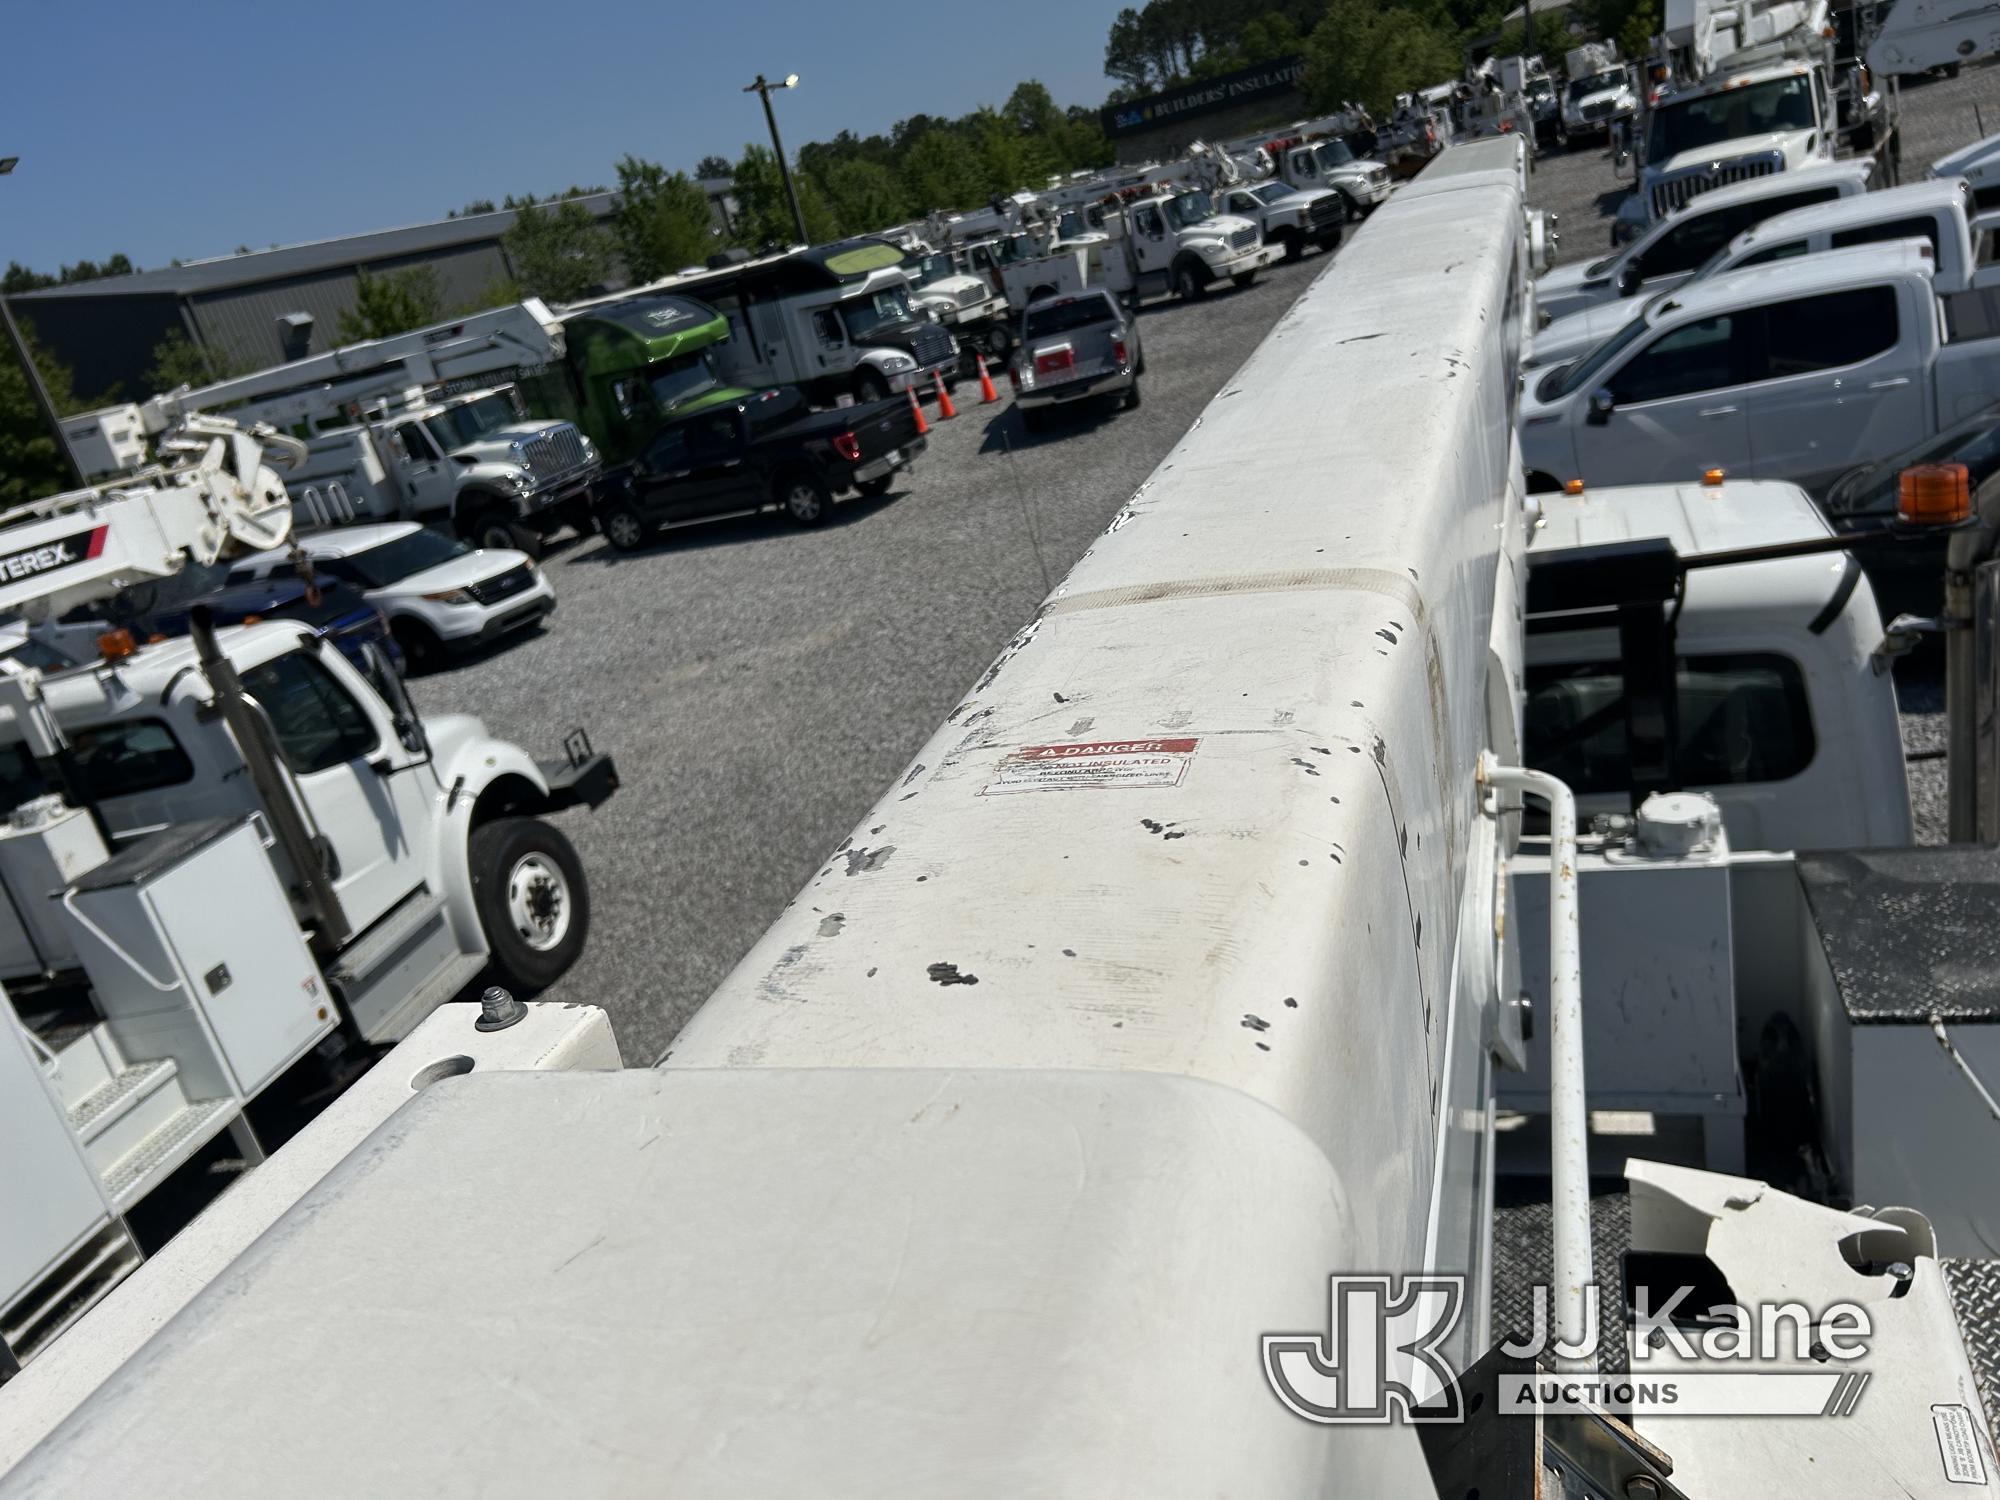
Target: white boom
[
  {"x": 214, "y": 495},
  {"x": 321, "y": 387},
  {"x": 1720, "y": 37}
]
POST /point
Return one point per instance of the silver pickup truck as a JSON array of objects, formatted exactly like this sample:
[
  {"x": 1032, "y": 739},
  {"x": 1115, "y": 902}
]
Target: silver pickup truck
[{"x": 1074, "y": 347}]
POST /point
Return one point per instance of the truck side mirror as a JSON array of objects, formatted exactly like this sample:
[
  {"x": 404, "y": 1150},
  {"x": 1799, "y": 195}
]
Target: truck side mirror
[
  {"x": 387, "y": 681},
  {"x": 1628, "y": 278},
  {"x": 1602, "y": 405}
]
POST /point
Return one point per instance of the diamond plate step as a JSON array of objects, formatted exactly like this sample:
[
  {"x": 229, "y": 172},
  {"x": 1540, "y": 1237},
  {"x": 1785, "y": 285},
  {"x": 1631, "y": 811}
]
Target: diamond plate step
[
  {"x": 94, "y": 1111},
  {"x": 189, "y": 1129},
  {"x": 1975, "y": 1297}
]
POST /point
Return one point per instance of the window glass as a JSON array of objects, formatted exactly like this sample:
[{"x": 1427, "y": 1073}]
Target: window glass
[
  {"x": 827, "y": 327},
  {"x": 669, "y": 448},
  {"x": 1701, "y": 356},
  {"x": 399, "y": 557},
  {"x": 417, "y": 443},
  {"x": 1742, "y": 719},
  {"x": 1920, "y": 227},
  {"x": 1770, "y": 253},
  {"x": 319, "y": 725},
  {"x": 123, "y": 759},
  {"x": 1069, "y": 313},
  {"x": 713, "y": 432},
  {"x": 1824, "y": 333},
  {"x": 1149, "y": 222},
  {"x": 21, "y": 779},
  {"x": 1689, "y": 243}
]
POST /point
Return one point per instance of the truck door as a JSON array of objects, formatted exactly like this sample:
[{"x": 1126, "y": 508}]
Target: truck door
[
  {"x": 831, "y": 352},
  {"x": 1838, "y": 385},
  {"x": 1301, "y": 170},
  {"x": 695, "y": 468},
  {"x": 1152, "y": 246},
  {"x": 425, "y": 483},
  {"x": 1678, "y": 408},
  {"x": 366, "y": 794}
]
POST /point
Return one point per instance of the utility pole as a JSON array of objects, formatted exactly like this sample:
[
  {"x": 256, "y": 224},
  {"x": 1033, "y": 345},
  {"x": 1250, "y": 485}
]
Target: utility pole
[
  {"x": 763, "y": 87},
  {"x": 33, "y": 372}
]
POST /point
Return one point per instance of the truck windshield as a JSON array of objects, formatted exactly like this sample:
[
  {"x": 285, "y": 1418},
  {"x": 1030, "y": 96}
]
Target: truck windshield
[
  {"x": 672, "y": 381},
  {"x": 1069, "y": 313},
  {"x": 1694, "y": 124},
  {"x": 1596, "y": 83},
  {"x": 399, "y": 557},
  {"x": 1185, "y": 210},
  {"x": 1587, "y": 369},
  {"x": 1270, "y": 192},
  {"x": 929, "y": 268},
  {"x": 879, "y": 310},
  {"x": 470, "y": 421},
  {"x": 1333, "y": 154}
]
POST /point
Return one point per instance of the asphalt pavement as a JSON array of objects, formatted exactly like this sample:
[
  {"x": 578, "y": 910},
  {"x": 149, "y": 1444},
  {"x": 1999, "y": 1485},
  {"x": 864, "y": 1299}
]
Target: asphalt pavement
[{"x": 759, "y": 685}]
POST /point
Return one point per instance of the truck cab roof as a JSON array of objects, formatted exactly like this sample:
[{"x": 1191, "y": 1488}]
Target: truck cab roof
[
  {"x": 1912, "y": 198},
  {"x": 1829, "y": 271}
]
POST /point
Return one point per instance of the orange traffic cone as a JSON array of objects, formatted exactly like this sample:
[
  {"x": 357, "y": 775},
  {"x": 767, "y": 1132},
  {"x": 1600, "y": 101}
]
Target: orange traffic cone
[
  {"x": 917, "y": 411},
  {"x": 945, "y": 408},
  {"x": 987, "y": 395}
]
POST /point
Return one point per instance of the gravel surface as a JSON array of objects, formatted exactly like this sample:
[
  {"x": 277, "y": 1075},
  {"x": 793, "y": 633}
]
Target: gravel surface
[{"x": 759, "y": 685}]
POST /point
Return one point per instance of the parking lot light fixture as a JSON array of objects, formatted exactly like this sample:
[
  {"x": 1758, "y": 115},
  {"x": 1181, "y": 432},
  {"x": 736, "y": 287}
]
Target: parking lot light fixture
[{"x": 762, "y": 87}]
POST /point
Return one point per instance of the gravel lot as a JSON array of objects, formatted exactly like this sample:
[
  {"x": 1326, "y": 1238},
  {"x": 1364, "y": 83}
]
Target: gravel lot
[{"x": 759, "y": 686}]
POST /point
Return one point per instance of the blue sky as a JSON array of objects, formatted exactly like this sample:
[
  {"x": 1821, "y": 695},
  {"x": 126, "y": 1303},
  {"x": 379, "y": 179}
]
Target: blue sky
[{"x": 189, "y": 129}]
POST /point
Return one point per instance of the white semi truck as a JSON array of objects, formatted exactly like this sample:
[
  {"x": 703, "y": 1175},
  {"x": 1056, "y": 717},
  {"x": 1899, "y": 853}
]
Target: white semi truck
[
  {"x": 224, "y": 855},
  {"x": 419, "y": 427},
  {"x": 1081, "y": 1128}
]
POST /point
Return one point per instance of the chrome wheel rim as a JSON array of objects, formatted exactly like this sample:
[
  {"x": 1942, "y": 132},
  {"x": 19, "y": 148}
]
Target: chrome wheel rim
[{"x": 538, "y": 903}]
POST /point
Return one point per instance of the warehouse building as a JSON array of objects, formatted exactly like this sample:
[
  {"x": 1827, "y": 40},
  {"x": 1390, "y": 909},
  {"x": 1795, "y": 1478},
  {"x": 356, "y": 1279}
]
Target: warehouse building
[{"x": 264, "y": 307}]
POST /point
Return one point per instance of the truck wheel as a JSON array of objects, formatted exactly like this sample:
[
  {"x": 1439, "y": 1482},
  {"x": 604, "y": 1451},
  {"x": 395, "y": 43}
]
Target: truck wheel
[
  {"x": 1132, "y": 395},
  {"x": 623, "y": 526},
  {"x": 528, "y": 887},
  {"x": 1190, "y": 283},
  {"x": 870, "y": 386},
  {"x": 1038, "y": 293},
  {"x": 1244, "y": 278},
  {"x": 1349, "y": 209},
  {"x": 493, "y": 528},
  {"x": 1294, "y": 243},
  {"x": 422, "y": 650},
  {"x": 804, "y": 498}
]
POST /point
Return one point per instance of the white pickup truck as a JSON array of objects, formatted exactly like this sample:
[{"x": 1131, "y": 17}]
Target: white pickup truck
[
  {"x": 1978, "y": 164},
  {"x": 1675, "y": 247},
  {"x": 1796, "y": 370},
  {"x": 1935, "y": 210}
]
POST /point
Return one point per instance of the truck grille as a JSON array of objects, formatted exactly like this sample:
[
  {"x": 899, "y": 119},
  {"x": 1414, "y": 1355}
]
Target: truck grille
[
  {"x": 1599, "y": 109},
  {"x": 971, "y": 296},
  {"x": 931, "y": 346},
  {"x": 1242, "y": 239},
  {"x": 1323, "y": 212},
  {"x": 1678, "y": 190},
  {"x": 554, "y": 453},
  {"x": 506, "y": 586}
]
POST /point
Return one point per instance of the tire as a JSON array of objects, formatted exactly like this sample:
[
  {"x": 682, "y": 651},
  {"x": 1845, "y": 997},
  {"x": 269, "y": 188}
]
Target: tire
[
  {"x": 533, "y": 904},
  {"x": 1350, "y": 211},
  {"x": 1190, "y": 284},
  {"x": 623, "y": 526},
  {"x": 1040, "y": 292},
  {"x": 1131, "y": 402},
  {"x": 1244, "y": 278},
  {"x": 870, "y": 386},
  {"x": 422, "y": 650},
  {"x": 1295, "y": 246},
  {"x": 803, "y": 499},
  {"x": 1140, "y": 367},
  {"x": 495, "y": 528},
  {"x": 874, "y": 488}
]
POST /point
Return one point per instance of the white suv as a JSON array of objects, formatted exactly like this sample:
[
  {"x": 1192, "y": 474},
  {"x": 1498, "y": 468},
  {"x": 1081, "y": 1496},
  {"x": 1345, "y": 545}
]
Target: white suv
[{"x": 439, "y": 594}]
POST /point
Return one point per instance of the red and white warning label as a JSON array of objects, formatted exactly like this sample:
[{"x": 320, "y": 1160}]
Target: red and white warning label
[{"x": 1093, "y": 766}]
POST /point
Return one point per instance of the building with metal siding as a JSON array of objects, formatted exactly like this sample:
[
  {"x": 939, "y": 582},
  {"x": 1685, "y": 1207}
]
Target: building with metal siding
[{"x": 107, "y": 331}]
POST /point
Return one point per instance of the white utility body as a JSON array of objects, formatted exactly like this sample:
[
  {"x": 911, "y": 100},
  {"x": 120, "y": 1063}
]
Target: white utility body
[
  {"x": 1978, "y": 164},
  {"x": 1925, "y": 36},
  {"x": 218, "y": 851},
  {"x": 422, "y": 425},
  {"x": 1937, "y": 211},
  {"x": 1169, "y": 981},
  {"x": 1794, "y": 370}
]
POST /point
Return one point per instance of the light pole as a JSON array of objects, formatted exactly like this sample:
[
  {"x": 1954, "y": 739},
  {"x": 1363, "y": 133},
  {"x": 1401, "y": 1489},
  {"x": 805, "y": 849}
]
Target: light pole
[
  {"x": 764, "y": 87},
  {"x": 32, "y": 371}
]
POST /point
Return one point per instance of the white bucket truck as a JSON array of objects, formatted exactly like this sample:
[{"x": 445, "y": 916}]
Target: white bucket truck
[
  {"x": 1597, "y": 91},
  {"x": 224, "y": 854}
]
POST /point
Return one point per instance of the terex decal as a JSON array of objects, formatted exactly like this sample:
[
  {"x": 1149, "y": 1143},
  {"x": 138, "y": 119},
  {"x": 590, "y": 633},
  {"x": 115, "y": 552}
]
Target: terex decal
[{"x": 63, "y": 552}]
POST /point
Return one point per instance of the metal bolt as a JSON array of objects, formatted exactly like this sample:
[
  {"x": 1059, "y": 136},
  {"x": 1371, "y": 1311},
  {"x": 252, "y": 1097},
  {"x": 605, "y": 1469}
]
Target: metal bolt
[
  {"x": 498, "y": 1010},
  {"x": 1642, "y": 1487},
  {"x": 1902, "y": 1270}
]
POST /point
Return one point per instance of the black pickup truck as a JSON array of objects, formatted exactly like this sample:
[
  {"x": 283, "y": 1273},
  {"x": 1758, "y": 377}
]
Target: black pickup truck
[{"x": 755, "y": 451}]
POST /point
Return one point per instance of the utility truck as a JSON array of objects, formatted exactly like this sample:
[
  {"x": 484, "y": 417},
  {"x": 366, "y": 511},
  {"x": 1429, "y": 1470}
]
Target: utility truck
[
  {"x": 1081, "y": 1139},
  {"x": 1932, "y": 36},
  {"x": 1597, "y": 92},
  {"x": 1311, "y": 154},
  {"x": 224, "y": 855},
  {"x": 1295, "y": 219},
  {"x": 1935, "y": 211},
  {"x": 1754, "y": 89},
  {"x": 1797, "y": 370},
  {"x": 423, "y": 426}
]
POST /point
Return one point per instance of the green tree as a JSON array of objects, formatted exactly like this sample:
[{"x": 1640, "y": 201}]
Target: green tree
[
  {"x": 941, "y": 170},
  {"x": 178, "y": 360},
  {"x": 662, "y": 221},
  {"x": 394, "y": 302},
  {"x": 766, "y": 210},
  {"x": 1368, "y": 55},
  {"x": 865, "y": 196},
  {"x": 559, "y": 252},
  {"x": 30, "y": 464},
  {"x": 710, "y": 167}
]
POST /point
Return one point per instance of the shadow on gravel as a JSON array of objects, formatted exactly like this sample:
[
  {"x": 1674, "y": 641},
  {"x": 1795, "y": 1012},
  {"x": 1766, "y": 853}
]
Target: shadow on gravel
[
  {"x": 1006, "y": 430},
  {"x": 735, "y": 531}
]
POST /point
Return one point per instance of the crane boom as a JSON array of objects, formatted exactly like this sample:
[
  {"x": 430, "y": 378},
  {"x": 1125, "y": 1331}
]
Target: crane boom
[{"x": 213, "y": 495}]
